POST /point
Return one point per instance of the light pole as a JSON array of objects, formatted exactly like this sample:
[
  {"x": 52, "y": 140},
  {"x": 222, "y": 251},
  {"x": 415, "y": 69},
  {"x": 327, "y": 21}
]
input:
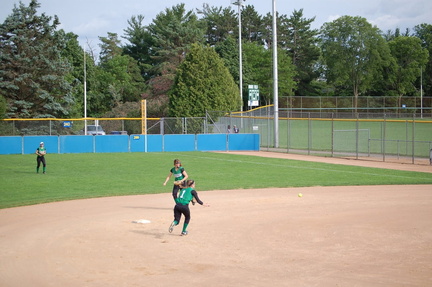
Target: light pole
[
  {"x": 85, "y": 94},
  {"x": 275, "y": 80},
  {"x": 239, "y": 3}
]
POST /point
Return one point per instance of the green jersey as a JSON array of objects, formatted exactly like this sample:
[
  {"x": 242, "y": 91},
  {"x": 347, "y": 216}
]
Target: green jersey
[
  {"x": 42, "y": 150},
  {"x": 178, "y": 174},
  {"x": 185, "y": 196}
]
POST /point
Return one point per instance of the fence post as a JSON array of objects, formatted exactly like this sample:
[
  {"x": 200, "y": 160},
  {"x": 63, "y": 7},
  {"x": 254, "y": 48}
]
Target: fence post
[
  {"x": 384, "y": 138},
  {"x": 413, "y": 138},
  {"x": 309, "y": 133},
  {"x": 332, "y": 134}
]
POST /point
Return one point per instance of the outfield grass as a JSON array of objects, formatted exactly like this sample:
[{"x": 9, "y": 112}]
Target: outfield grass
[
  {"x": 318, "y": 135},
  {"x": 77, "y": 176}
]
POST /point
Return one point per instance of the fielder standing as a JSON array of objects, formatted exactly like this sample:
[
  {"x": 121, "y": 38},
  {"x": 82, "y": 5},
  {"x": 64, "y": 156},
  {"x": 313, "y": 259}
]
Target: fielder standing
[
  {"x": 41, "y": 152},
  {"x": 180, "y": 176}
]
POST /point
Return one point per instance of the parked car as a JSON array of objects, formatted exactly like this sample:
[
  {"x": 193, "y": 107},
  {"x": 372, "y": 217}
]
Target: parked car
[{"x": 93, "y": 130}]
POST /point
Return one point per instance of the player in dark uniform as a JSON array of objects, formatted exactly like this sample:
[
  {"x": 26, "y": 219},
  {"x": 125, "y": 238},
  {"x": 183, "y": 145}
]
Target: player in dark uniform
[
  {"x": 187, "y": 194},
  {"x": 180, "y": 174},
  {"x": 41, "y": 152}
]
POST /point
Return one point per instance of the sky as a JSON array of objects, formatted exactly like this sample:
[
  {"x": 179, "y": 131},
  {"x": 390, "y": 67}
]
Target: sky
[{"x": 90, "y": 19}]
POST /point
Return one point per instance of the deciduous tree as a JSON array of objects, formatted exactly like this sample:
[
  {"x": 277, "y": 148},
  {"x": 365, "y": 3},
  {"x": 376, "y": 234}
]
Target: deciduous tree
[
  {"x": 424, "y": 33},
  {"x": 354, "y": 54},
  {"x": 410, "y": 57}
]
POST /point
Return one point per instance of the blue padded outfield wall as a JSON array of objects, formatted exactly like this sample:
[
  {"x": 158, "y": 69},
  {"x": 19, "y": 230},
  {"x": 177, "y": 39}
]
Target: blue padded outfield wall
[{"x": 130, "y": 143}]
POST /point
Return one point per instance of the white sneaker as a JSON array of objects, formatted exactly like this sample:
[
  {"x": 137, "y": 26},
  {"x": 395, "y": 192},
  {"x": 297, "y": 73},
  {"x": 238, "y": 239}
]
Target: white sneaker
[{"x": 170, "y": 229}]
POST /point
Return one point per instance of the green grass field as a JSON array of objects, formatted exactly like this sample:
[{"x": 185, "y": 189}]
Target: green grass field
[{"x": 77, "y": 176}]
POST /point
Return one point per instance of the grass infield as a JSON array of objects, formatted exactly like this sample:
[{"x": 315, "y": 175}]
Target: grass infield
[{"x": 77, "y": 176}]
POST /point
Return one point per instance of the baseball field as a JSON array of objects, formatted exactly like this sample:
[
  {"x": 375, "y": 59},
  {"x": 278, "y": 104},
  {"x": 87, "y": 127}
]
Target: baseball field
[{"x": 102, "y": 220}]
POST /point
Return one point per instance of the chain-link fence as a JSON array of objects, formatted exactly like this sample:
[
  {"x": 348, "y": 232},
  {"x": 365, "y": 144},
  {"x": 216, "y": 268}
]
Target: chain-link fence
[
  {"x": 382, "y": 128},
  {"x": 385, "y": 138},
  {"x": 25, "y": 127},
  {"x": 367, "y": 107}
]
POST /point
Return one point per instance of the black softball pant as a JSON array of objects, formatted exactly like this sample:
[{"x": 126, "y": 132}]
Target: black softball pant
[
  {"x": 176, "y": 189},
  {"x": 39, "y": 160},
  {"x": 180, "y": 209}
]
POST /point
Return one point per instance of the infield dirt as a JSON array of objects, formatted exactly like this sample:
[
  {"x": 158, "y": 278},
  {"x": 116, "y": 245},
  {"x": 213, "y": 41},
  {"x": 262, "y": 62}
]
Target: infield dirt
[{"x": 332, "y": 236}]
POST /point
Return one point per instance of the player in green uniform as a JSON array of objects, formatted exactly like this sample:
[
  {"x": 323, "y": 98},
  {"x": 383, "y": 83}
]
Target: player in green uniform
[
  {"x": 186, "y": 195},
  {"x": 41, "y": 152},
  {"x": 179, "y": 173}
]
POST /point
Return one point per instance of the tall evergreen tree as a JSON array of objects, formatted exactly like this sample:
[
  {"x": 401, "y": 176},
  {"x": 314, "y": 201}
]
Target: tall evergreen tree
[
  {"x": 220, "y": 23},
  {"x": 173, "y": 32},
  {"x": 110, "y": 47},
  {"x": 302, "y": 46},
  {"x": 203, "y": 83},
  {"x": 2, "y": 107},
  {"x": 32, "y": 70},
  {"x": 252, "y": 25},
  {"x": 140, "y": 46}
]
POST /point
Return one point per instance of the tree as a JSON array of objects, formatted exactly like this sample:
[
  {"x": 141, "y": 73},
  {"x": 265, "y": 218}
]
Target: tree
[
  {"x": 2, "y": 107},
  {"x": 140, "y": 46},
  {"x": 424, "y": 33},
  {"x": 302, "y": 46},
  {"x": 354, "y": 53},
  {"x": 252, "y": 25},
  {"x": 75, "y": 55},
  {"x": 110, "y": 47},
  {"x": 202, "y": 83},
  {"x": 228, "y": 50},
  {"x": 220, "y": 23},
  {"x": 267, "y": 27},
  {"x": 32, "y": 70},
  {"x": 118, "y": 80},
  {"x": 173, "y": 32},
  {"x": 259, "y": 71},
  {"x": 410, "y": 57}
]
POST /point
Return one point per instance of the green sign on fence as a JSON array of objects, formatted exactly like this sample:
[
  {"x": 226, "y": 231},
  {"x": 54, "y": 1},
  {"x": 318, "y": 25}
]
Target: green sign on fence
[{"x": 253, "y": 96}]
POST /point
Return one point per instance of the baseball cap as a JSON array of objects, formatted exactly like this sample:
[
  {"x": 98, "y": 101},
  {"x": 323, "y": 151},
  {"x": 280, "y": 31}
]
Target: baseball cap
[{"x": 41, "y": 143}]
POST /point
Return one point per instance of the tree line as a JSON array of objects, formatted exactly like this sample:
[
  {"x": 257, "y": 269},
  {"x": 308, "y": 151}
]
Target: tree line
[{"x": 187, "y": 62}]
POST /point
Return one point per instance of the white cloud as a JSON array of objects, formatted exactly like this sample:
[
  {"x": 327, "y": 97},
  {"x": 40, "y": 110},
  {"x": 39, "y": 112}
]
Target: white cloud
[{"x": 92, "y": 18}]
